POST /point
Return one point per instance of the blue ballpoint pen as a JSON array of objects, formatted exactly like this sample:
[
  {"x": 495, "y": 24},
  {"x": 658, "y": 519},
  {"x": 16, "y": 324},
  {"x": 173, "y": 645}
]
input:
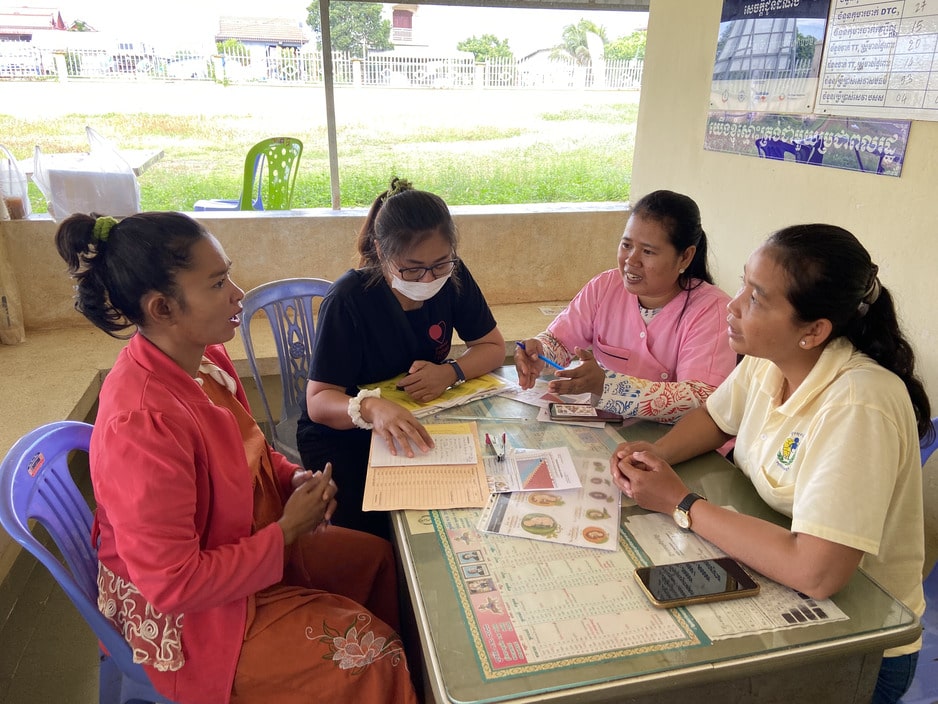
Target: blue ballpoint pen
[{"x": 549, "y": 362}]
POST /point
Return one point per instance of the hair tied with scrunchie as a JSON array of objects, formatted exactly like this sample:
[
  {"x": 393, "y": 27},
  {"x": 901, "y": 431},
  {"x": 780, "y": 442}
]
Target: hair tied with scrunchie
[
  {"x": 102, "y": 227},
  {"x": 398, "y": 185},
  {"x": 871, "y": 295}
]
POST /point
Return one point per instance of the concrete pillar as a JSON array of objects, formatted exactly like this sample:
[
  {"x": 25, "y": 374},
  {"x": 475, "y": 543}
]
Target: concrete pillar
[
  {"x": 61, "y": 66},
  {"x": 11, "y": 309}
]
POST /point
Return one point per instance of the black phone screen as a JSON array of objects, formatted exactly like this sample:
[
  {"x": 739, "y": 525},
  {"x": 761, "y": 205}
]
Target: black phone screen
[{"x": 695, "y": 579}]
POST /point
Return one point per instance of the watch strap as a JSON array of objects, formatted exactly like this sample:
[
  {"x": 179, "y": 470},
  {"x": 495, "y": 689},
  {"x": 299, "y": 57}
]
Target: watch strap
[
  {"x": 460, "y": 376},
  {"x": 688, "y": 501}
]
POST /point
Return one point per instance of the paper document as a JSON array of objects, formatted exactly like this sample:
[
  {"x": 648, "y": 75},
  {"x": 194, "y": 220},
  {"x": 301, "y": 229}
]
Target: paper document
[
  {"x": 448, "y": 449},
  {"x": 775, "y": 607},
  {"x": 410, "y": 483},
  {"x": 472, "y": 390},
  {"x": 532, "y": 470},
  {"x": 587, "y": 516},
  {"x": 538, "y": 395}
]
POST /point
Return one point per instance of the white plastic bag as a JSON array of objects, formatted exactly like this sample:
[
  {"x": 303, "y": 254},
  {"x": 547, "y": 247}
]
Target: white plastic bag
[
  {"x": 99, "y": 182},
  {"x": 14, "y": 189}
]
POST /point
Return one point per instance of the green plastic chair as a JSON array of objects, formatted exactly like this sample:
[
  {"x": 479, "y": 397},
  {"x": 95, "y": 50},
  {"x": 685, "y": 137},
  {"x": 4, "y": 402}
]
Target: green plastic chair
[{"x": 281, "y": 157}]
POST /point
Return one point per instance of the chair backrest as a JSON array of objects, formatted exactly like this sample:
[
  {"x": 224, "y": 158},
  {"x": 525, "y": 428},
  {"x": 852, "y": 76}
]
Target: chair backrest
[
  {"x": 35, "y": 483},
  {"x": 929, "y": 445},
  {"x": 930, "y": 501},
  {"x": 280, "y": 158},
  {"x": 290, "y": 308}
]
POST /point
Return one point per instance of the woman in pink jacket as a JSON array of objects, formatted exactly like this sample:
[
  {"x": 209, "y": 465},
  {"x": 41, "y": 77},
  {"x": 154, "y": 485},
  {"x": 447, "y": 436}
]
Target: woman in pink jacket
[
  {"x": 216, "y": 560},
  {"x": 650, "y": 334}
]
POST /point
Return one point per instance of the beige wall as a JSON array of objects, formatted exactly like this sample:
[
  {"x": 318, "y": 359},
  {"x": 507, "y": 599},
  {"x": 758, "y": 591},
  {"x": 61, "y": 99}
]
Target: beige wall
[
  {"x": 742, "y": 199},
  {"x": 518, "y": 254}
]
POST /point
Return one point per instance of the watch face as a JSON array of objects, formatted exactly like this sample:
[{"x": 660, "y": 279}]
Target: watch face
[{"x": 681, "y": 518}]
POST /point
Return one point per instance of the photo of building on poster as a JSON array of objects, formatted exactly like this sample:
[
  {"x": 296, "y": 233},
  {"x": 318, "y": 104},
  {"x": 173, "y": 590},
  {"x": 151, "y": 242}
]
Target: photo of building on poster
[{"x": 768, "y": 55}]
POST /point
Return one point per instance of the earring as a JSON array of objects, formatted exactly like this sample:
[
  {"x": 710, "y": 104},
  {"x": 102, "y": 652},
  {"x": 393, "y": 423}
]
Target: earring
[
  {"x": 803, "y": 342},
  {"x": 680, "y": 271}
]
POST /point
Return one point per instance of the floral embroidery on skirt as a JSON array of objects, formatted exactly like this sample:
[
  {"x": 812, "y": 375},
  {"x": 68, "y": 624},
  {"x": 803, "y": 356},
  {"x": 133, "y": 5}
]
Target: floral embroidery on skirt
[{"x": 357, "y": 647}]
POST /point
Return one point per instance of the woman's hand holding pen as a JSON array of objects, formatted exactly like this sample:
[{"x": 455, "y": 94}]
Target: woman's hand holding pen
[
  {"x": 643, "y": 476},
  {"x": 311, "y": 504},
  {"x": 425, "y": 380},
  {"x": 396, "y": 426},
  {"x": 588, "y": 376},
  {"x": 529, "y": 361}
]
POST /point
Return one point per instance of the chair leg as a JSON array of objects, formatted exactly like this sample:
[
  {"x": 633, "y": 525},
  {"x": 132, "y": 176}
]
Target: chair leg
[{"x": 109, "y": 681}]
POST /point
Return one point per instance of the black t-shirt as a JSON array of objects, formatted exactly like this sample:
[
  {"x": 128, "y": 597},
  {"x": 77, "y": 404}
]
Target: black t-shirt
[{"x": 364, "y": 336}]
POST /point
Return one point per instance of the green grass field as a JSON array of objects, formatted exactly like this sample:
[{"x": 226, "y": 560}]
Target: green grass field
[{"x": 579, "y": 152}]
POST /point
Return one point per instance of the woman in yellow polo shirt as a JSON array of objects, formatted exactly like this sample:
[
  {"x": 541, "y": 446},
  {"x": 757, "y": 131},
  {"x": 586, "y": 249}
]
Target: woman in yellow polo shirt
[{"x": 827, "y": 414}]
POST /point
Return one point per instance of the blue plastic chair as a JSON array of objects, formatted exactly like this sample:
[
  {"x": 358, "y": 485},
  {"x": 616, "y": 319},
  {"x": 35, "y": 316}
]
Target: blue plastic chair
[
  {"x": 924, "y": 688},
  {"x": 35, "y": 483},
  {"x": 290, "y": 307},
  {"x": 281, "y": 157},
  {"x": 929, "y": 447}
]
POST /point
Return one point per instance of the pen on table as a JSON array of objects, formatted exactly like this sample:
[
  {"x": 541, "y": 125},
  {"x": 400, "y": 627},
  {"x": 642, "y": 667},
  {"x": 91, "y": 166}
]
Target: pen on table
[{"x": 549, "y": 362}]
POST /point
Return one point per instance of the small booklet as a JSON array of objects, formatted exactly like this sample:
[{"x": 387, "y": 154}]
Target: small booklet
[{"x": 581, "y": 412}]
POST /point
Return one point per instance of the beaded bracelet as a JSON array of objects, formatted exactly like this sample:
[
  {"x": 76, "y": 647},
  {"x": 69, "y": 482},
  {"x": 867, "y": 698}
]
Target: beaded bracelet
[{"x": 355, "y": 407}]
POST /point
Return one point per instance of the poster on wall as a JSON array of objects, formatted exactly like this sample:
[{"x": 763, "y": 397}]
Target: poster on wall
[
  {"x": 768, "y": 55},
  {"x": 856, "y": 144},
  {"x": 881, "y": 60}
]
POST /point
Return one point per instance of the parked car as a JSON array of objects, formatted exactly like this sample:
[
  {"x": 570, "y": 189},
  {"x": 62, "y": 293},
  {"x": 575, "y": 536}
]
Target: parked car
[
  {"x": 194, "y": 67},
  {"x": 132, "y": 63}
]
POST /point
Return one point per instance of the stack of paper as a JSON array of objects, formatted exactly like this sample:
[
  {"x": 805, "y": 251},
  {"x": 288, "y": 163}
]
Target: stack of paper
[
  {"x": 450, "y": 475},
  {"x": 472, "y": 390}
]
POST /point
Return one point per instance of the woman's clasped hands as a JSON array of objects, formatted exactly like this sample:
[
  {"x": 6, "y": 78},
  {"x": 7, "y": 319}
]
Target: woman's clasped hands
[
  {"x": 586, "y": 377},
  {"x": 311, "y": 504},
  {"x": 645, "y": 477}
]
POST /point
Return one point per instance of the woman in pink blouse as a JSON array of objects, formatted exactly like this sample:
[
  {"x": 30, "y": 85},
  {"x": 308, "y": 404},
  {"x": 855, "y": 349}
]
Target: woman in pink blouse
[{"x": 650, "y": 334}]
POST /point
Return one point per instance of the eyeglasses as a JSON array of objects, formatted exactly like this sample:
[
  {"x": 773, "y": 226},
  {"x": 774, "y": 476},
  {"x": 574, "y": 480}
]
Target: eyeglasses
[{"x": 415, "y": 273}]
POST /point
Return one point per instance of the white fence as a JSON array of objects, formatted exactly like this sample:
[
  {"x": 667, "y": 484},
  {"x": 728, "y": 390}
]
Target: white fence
[{"x": 20, "y": 60}]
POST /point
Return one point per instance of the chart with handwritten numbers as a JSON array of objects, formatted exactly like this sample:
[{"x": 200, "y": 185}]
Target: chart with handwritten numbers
[{"x": 881, "y": 60}]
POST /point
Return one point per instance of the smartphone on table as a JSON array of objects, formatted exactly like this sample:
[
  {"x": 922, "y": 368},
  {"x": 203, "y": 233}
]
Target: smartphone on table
[
  {"x": 695, "y": 582},
  {"x": 581, "y": 412}
]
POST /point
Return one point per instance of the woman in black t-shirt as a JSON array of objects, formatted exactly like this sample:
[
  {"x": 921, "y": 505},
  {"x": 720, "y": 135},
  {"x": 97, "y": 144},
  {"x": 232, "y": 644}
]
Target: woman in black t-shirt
[{"x": 395, "y": 314}]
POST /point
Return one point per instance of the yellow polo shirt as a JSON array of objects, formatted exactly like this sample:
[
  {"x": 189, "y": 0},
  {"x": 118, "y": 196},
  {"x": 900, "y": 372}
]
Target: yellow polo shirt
[{"x": 841, "y": 457}]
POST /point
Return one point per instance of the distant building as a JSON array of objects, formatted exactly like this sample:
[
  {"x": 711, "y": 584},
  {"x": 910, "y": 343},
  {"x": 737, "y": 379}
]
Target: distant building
[
  {"x": 20, "y": 23},
  {"x": 263, "y": 36},
  {"x": 402, "y": 25}
]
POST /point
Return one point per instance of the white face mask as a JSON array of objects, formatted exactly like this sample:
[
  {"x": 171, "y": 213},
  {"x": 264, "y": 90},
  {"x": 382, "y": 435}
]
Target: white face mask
[{"x": 418, "y": 290}]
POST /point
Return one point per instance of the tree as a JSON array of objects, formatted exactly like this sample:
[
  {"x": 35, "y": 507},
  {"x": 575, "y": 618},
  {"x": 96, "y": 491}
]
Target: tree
[
  {"x": 486, "y": 47},
  {"x": 355, "y": 27},
  {"x": 575, "y": 45},
  {"x": 81, "y": 26},
  {"x": 804, "y": 51},
  {"x": 628, "y": 47}
]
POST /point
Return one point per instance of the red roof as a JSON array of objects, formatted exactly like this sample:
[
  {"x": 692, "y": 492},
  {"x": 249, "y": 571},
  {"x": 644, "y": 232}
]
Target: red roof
[
  {"x": 273, "y": 30},
  {"x": 19, "y": 19}
]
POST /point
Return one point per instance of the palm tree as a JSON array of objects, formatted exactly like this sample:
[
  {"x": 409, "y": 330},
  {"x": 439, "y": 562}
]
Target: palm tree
[{"x": 574, "y": 45}]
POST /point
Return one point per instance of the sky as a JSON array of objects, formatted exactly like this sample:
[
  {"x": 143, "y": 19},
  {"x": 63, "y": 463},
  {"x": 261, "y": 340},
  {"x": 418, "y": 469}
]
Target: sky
[{"x": 195, "y": 23}]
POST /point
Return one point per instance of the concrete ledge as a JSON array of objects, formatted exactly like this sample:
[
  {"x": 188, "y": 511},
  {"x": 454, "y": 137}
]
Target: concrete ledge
[{"x": 517, "y": 253}]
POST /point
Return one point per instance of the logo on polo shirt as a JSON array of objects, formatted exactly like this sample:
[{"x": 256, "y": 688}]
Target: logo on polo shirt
[{"x": 789, "y": 450}]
